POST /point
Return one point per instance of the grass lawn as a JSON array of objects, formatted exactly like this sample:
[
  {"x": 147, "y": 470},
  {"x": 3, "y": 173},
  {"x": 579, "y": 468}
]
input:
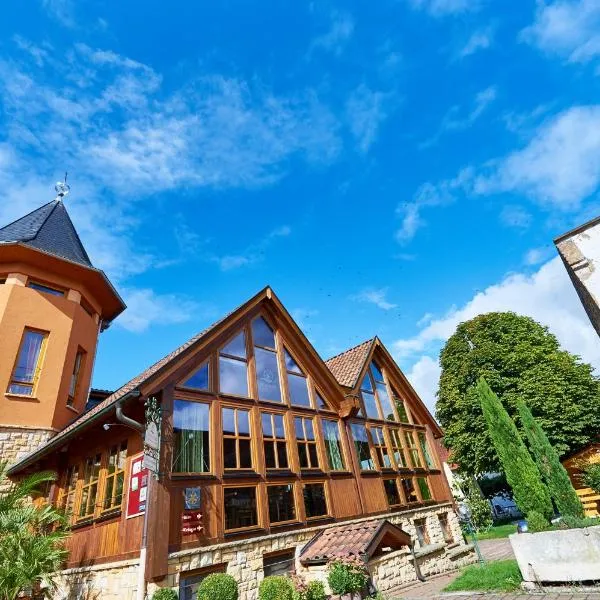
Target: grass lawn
[
  {"x": 500, "y": 575},
  {"x": 499, "y": 531}
]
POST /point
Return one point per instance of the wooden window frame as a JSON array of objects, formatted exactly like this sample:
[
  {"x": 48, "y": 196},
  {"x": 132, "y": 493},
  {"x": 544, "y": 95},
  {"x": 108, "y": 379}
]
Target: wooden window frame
[
  {"x": 303, "y": 373},
  {"x": 340, "y": 439},
  {"x": 419, "y": 491},
  {"x": 246, "y": 360},
  {"x": 254, "y": 486},
  {"x": 279, "y": 359},
  {"x": 414, "y": 487},
  {"x": 397, "y": 448},
  {"x": 327, "y": 500},
  {"x": 67, "y": 493},
  {"x": 381, "y": 447},
  {"x": 425, "y": 449},
  {"x": 444, "y": 522},
  {"x": 275, "y": 441},
  {"x": 421, "y": 525},
  {"x": 182, "y": 384},
  {"x": 398, "y": 491},
  {"x": 237, "y": 437},
  {"x": 294, "y": 498},
  {"x": 38, "y": 365},
  {"x": 87, "y": 485},
  {"x": 211, "y": 463},
  {"x": 75, "y": 381},
  {"x": 369, "y": 444},
  {"x": 114, "y": 476},
  {"x": 413, "y": 449},
  {"x": 306, "y": 443}
]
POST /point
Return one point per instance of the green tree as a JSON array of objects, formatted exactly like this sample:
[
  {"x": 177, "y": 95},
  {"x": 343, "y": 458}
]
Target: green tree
[
  {"x": 31, "y": 536},
  {"x": 520, "y": 359},
  {"x": 554, "y": 474},
  {"x": 522, "y": 474}
]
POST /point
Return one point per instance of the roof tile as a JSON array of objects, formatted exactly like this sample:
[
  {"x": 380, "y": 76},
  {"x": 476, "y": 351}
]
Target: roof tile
[{"x": 346, "y": 367}]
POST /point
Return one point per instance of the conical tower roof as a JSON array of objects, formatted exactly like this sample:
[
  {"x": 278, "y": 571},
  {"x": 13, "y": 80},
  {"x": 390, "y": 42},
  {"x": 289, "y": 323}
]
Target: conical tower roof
[{"x": 50, "y": 229}]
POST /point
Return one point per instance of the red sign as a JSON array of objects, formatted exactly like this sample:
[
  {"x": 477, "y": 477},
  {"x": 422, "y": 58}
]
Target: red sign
[
  {"x": 137, "y": 494},
  {"x": 191, "y": 522}
]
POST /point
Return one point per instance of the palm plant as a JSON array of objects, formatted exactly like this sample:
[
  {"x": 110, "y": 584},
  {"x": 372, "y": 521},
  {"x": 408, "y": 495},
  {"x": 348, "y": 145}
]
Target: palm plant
[{"x": 31, "y": 536}]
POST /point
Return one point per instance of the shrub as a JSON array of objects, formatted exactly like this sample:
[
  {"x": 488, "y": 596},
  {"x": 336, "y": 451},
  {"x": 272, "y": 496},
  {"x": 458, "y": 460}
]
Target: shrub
[
  {"x": 276, "y": 587},
  {"x": 346, "y": 575},
  {"x": 315, "y": 590},
  {"x": 218, "y": 586},
  {"x": 569, "y": 522},
  {"x": 165, "y": 594},
  {"x": 590, "y": 475},
  {"x": 537, "y": 522},
  {"x": 481, "y": 511}
]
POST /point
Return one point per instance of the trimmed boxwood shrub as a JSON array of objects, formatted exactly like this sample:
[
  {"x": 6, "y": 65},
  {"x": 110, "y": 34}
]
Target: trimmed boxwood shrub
[
  {"x": 218, "y": 586},
  {"x": 276, "y": 587},
  {"x": 346, "y": 576},
  {"x": 165, "y": 594}
]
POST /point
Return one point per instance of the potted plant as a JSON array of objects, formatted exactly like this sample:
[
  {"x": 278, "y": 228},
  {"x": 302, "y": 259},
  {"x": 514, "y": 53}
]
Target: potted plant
[{"x": 347, "y": 577}]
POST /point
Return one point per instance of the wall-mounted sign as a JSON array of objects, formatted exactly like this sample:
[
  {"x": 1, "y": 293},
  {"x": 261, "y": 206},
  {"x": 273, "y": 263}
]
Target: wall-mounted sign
[
  {"x": 152, "y": 436},
  {"x": 137, "y": 493},
  {"x": 192, "y": 498},
  {"x": 191, "y": 519}
]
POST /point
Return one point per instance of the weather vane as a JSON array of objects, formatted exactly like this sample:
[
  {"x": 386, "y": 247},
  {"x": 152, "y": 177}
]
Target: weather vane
[{"x": 62, "y": 188}]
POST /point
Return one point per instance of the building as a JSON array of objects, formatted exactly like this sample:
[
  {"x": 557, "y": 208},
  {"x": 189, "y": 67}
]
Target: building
[
  {"x": 260, "y": 446},
  {"x": 579, "y": 250},
  {"x": 572, "y": 462}
]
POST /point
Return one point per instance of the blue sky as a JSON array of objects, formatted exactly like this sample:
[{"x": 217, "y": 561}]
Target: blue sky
[{"x": 391, "y": 168}]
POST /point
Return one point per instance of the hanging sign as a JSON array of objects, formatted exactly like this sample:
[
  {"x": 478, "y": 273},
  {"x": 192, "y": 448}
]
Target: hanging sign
[
  {"x": 191, "y": 518},
  {"x": 137, "y": 493},
  {"x": 152, "y": 436}
]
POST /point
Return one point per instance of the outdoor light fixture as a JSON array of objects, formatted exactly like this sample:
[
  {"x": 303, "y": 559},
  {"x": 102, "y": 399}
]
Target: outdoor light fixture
[{"x": 465, "y": 514}]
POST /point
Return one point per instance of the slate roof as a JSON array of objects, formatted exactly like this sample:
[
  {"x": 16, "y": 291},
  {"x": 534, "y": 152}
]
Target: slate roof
[
  {"x": 50, "y": 229},
  {"x": 351, "y": 540},
  {"x": 346, "y": 367}
]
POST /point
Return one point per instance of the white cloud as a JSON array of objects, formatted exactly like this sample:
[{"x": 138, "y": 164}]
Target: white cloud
[
  {"x": 145, "y": 307},
  {"x": 559, "y": 167},
  {"x": 536, "y": 256},
  {"x": 424, "y": 376},
  {"x": 569, "y": 29},
  {"x": 482, "y": 39},
  {"x": 365, "y": 113},
  {"x": 378, "y": 297},
  {"x": 441, "y": 8},
  {"x": 61, "y": 11},
  {"x": 340, "y": 31},
  {"x": 547, "y": 296},
  {"x": 515, "y": 216}
]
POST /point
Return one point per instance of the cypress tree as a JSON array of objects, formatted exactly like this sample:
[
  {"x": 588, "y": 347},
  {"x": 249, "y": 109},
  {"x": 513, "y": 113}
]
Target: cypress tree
[
  {"x": 522, "y": 474},
  {"x": 554, "y": 474}
]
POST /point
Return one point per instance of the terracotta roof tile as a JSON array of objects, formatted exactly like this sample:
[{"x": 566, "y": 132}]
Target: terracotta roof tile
[{"x": 346, "y": 367}]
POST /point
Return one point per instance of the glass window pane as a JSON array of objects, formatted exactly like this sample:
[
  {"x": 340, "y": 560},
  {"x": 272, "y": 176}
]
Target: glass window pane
[
  {"x": 333, "y": 445},
  {"x": 314, "y": 459},
  {"x": 18, "y": 388},
  {"x": 361, "y": 443},
  {"x": 425, "y": 449},
  {"x": 391, "y": 491},
  {"x": 191, "y": 452},
  {"x": 315, "y": 502},
  {"x": 409, "y": 490},
  {"x": 321, "y": 402},
  {"x": 424, "y": 488},
  {"x": 366, "y": 384},
  {"x": 229, "y": 453},
  {"x": 401, "y": 410},
  {"x": 229, "y": 421},
  {"x": 299, "y": 428},
  {"x": 243, "y": 419},
  {"x": 282, "y": 456},
  {"x": 240, "y": 507},
  {"x": 245, "y": 454},
  {"x": 376, "y": 371},
  {"x": 308, "y": 427},
  {"x": 233, "y": 376},
  {"x": 298, "y": 390},
  {"x": 370, "y": 405},
  {"x": 303, "y": 456},
  {"x": 236, "y": 347},
  {"x": 267, "y": 425},
  {"x": 199, "y": 379},
  {"x": 267, "y": 375},
  {"x": 290, "y": 363},
  {"x": 281, "y": 503},
  {"x": 386, "y": 402},
  {"x": 270, "y": 455},
  {"x": 279, "y": 429},
  {"x": 29, "y": 355},
  {"x": 262, "y": 334}
]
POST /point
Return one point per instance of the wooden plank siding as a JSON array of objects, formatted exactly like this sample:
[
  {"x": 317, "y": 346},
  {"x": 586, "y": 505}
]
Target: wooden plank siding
[{"x": 350, "y": 492}]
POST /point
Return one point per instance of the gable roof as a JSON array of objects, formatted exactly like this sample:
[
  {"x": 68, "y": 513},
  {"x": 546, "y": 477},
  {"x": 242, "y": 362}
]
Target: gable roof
[
  {"x": 347, "y": 366},
  {"x": 359, "y": 540},
  {"x": 50, "y": 229}
]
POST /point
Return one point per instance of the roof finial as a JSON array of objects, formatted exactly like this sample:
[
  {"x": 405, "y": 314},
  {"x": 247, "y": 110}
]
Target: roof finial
[{"x": 62, "y": 189}]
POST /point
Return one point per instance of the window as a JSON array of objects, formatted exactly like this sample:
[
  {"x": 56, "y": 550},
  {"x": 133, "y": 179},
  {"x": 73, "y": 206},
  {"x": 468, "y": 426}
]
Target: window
[
  {"x": 368, "y": 396},
  {"x": 115, "y": 474},
  {"x": 425, "y": 450},
  {"x": 233, "y": 367},
  {"x": 307, "y": 443},
  {"x": 333, "y": 445},
  {"x": 191, "y": 448},
  {"x": 409, "y": 490},
  {"x": 375, "y": 395},
  {"x": 400, "y": 407},
  {"x": 421, "y": 531},
  {"x": 29, "y": 362},
  {"x": 66, "y": 495},
  {"x": 383, "y": 456},
  {"x": 199, "y": 379},
  {"x": 315, "y": 501},
  {"x": 397, "y": 449},
  {"x": 237, "y": 451},
  {"x": 265, "y": 355},
  {"x": 411, "y": 444},
  {"x": 240, "y": 507},
  {"x": 274, "y": 442},
  {"x": 282, "y": 507},
  {"x": 361, "y": 443},
  {"x": 391, "y": 492},
  {"x": 424, "y": 488},
  {"x": 445, "y": 527},
  {"x": 40, "y": 287},
  {"x": 321, "y": 403},
  {"x": 189, "y": 582},
  {"x": 89, "y": 489},
  {"x": 74, "y": 383},
  {"x": 297, "y": 384},
  {"x": 279, "y": 563}
]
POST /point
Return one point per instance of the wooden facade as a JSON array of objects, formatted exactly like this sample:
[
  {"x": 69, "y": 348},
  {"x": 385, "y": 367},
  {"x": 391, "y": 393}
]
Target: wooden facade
[
  {"x": 254, "y": 418},
  {"x": 589, "y": 498}
]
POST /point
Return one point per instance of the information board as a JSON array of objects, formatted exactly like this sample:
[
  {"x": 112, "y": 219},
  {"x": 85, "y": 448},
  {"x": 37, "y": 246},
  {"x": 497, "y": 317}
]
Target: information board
[{"x": 137, "y": 492}]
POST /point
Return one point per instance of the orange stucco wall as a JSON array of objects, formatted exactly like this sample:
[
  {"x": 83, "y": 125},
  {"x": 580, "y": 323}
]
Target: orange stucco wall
[{"x": 69, "y": 327}]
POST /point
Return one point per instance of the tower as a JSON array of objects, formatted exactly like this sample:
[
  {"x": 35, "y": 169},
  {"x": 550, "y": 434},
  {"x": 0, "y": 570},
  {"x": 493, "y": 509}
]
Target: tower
[{"x": 53, "y": 305}]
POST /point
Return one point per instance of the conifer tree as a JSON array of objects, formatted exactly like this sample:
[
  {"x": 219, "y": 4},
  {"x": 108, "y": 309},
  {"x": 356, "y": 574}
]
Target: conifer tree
[
  {"x": 554, "y": 474},
  {"x": 522, "y": 474}
]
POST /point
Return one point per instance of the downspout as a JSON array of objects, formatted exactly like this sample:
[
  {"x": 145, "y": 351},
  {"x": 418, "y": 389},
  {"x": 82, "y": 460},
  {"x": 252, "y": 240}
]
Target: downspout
[{"x": 129, "y": 422}]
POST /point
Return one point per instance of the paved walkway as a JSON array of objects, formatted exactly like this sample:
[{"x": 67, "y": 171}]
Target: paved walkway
[{"x": 496, "y": 549}]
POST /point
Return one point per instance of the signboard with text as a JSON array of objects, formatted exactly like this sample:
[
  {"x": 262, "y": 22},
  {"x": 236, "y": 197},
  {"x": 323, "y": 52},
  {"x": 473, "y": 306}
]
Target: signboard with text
[
  {"x": 191, "y": 518},
  {"x": 137, "y": 492}
]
